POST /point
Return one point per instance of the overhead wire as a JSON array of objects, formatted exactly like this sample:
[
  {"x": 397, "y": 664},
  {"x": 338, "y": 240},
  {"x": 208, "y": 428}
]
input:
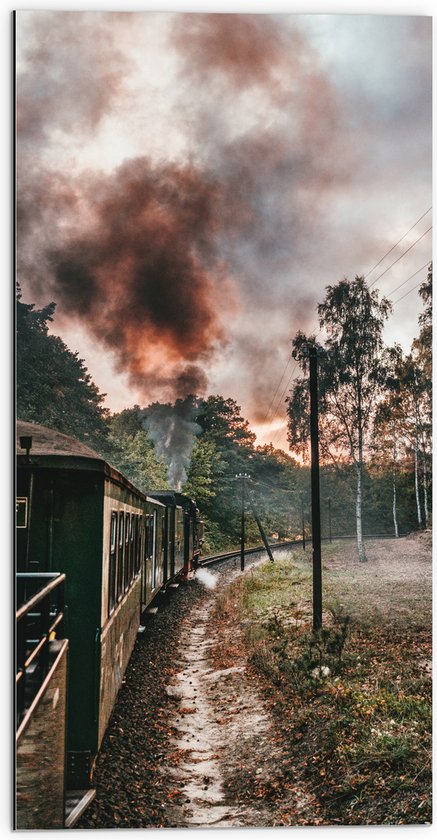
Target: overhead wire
[
  {"x": 409, "y": 278},
  {"x": 399, "y": 258},
  {"x": 277, "y": 389},
  {"x": 281, "y": 396},
  {"x": 275, "y": 489},
  {"x": 288, "y": 383},
  {"x": 407, "y": 293},
  {"x": 398, "y": 242}
]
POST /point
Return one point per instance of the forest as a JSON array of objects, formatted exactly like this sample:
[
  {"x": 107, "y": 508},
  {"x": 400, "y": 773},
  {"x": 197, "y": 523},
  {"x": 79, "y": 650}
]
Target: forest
[{"x": 375, "y": 425}]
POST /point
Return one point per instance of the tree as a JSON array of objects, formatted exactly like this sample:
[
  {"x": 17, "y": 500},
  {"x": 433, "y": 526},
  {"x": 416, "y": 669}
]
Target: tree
[
  {"x": 201, "y": 478},
  {"x": 221, "y": 421},
  {"x": 413, "y": 392},
  {"x": 229, "y": 435},
  {"x": 53, "y": 386},
  {"x": 127, "y": 422},
  {"x": 134, "y": 455},
  {"x": 276, "y": 487},
  {"x": 351, "y": 376},
  {"x": 421, "y": 358},
  {"x": 386, "y": 445}
]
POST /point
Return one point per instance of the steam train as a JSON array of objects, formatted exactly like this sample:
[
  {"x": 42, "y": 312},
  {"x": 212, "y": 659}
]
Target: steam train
[{"x": 78, "y": 515}]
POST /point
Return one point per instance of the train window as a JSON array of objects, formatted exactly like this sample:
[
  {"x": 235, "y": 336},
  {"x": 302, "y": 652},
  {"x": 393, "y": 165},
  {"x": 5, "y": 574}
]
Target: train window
[
  {"x": 127, "y": 552},
  {"x": 138, "y": 534},
  {"x": 133, "y": 525},
  {"x": 120, "y": 558},
  {"x": 112, "y": 562},
  {"x": 153, "y": 547},
  {"x": 146, "y": 537}
]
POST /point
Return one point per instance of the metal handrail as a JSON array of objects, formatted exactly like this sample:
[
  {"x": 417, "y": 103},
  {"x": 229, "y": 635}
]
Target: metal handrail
[
  {"x": 49, "y": 621},
  {"x": 56, "y": 579}
]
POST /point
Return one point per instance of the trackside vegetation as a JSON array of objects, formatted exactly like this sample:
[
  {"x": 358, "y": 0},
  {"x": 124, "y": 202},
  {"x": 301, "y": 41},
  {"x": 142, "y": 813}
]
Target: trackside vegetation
[
  {"x": 351, "y": 703},
  {"x": 375, "y": 428}
]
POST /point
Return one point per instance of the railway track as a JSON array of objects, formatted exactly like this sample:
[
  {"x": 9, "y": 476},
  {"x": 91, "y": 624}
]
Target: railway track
[{"x": 210, "y": 560}]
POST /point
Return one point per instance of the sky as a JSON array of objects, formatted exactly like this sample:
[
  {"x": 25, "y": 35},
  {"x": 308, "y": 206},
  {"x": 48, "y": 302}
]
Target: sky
[{"x": 188, "y": 185}]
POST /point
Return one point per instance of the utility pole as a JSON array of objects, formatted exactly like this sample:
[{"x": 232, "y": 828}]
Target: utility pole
[
  {"x": 260, "y": 528},
  {"x": 315, "y": 492},
  {"x": 242, "y": 477},
  {"x": 302, "y": 512},
  {"x": 329, "y": 518}
]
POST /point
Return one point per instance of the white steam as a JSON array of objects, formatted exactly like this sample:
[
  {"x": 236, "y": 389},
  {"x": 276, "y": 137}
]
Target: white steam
[{"x": 206, "y": 578}]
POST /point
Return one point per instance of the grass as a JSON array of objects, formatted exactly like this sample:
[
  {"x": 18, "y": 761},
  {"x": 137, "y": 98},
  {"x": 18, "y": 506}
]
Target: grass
[{"x": 351, "y": 703}]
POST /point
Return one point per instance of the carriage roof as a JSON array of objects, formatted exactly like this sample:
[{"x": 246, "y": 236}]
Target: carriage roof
[{"x": 53, "y": 449}]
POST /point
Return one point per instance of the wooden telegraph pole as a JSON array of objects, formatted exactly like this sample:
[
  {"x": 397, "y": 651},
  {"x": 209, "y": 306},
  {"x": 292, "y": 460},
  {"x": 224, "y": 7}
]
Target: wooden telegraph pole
[
  {"x": 315, "y": 492},
  {"x": 302, "y": 514},
  {"x": 242, "y": 477}
]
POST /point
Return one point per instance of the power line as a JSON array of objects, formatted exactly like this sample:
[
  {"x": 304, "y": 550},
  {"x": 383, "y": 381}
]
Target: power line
[
  {"x": 276, "y": 489},
  {"x": 407, "y": 293},
  {"x": 289, "y": 380},
  {"x": 399, "y": 258},
  {"x": 397, "y": 243},
  {"x": 409, "y": 278},
  {"x": 271, "y": 409},
  {"x": 277, "y": 434},
  {"x": 277, "y": 389}
]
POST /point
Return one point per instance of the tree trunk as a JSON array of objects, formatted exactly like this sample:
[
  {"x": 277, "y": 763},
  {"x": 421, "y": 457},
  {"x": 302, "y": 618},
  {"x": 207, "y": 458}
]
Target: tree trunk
[
  {"x": 416, "y": 480},
  {"x": 395, "y": 518},
  {"x": 361, "y": 553},
  {"x": 425, "y": 488}
]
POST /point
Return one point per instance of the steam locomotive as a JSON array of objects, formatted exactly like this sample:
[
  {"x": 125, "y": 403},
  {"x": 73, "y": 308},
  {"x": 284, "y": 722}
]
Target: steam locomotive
[{"x": 78, "y": 515}]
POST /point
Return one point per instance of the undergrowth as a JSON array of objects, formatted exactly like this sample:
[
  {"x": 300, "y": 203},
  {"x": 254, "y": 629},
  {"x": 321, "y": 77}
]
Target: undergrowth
[{"x": 351, "y": 702}]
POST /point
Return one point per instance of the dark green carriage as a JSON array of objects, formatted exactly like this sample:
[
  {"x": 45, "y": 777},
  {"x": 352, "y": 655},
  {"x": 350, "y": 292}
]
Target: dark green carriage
[
  {"x": 183, "y": 530},
  {"x": 71, "y": 507}
]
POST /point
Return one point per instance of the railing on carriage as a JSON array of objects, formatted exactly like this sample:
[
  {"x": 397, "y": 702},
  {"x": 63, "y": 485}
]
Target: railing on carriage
[{"x": 40, "y": 614}]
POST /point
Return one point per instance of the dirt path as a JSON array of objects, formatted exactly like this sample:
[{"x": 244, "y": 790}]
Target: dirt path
[
  {"x": 191, "y": 742},
  {"x": 224, "y": 735}
]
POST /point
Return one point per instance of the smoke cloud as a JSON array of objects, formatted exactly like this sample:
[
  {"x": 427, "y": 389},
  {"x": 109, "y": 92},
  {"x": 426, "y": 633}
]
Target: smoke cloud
[
  {"x": 144, "y": 272},
  {"x": 194, "y": 260},
  {"x": 162, "y": 261},
  {"x": 173, "y": 430},
  {"x": 73, "y": 75}
]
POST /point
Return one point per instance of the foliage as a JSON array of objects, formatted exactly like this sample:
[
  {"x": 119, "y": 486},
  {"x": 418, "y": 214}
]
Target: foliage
[
  {"x": 221, "y": 422},
  {"x": 359, "y": 737},
  {"x": 375, "y": 421},
  {"x": 134, "y": 455},
  {"x": 127, "y": 422},
  {"x": 230, "y": 446},
  {"x": 351, "y": 376},
  {"x": 205, "y": 464},
  {"x": 53, "y": 386}
]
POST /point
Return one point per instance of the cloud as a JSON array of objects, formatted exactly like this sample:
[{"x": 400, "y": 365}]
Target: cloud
[
  {"x": 290, "y": 156},
  {"x": 72, "y": 74}
]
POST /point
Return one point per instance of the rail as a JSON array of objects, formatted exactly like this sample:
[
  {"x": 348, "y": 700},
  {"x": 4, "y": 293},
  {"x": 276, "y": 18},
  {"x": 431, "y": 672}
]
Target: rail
[
  {"x": 39, "y": 617},
  {"x": 228, "y": 555}
]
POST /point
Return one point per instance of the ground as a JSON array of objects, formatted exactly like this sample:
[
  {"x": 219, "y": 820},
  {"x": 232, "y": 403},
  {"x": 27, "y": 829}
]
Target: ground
[{"x": 220, "y": 721}]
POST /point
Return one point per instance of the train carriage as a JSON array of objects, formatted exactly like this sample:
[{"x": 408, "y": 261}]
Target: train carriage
[
  {"x": 184, "y": 530},
  {"x": 78, "y": 515}
]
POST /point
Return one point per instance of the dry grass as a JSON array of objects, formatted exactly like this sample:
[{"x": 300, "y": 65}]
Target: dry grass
[{"x": 360, "y": 738}]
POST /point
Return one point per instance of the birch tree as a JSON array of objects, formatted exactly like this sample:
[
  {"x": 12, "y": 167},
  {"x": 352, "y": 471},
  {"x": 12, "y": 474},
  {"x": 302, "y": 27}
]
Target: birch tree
[
  {"x": 351, "y": 376},
  {"x": 417, "y": 419},
  {"x": 388, "y": 446}
]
